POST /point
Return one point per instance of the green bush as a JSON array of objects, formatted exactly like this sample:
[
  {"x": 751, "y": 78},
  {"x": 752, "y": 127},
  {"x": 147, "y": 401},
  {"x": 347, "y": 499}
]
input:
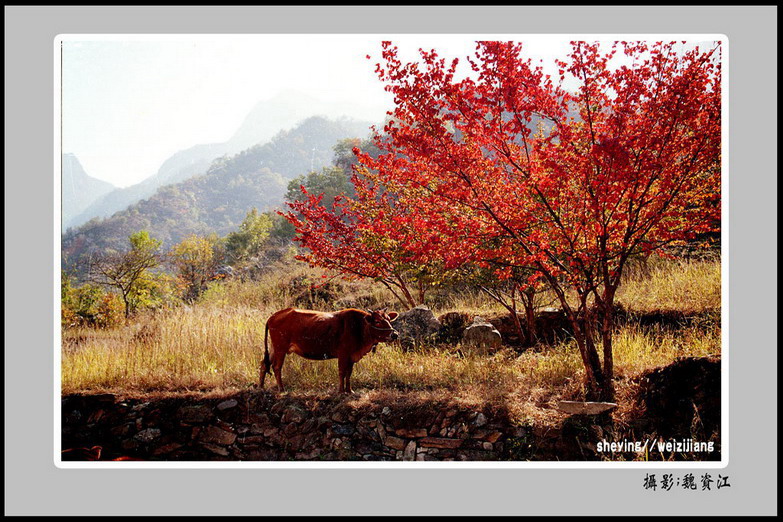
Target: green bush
[{"x": 89, "y": 305}]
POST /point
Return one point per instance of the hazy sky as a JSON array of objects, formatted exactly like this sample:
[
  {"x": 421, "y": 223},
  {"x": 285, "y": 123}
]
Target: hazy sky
[{"x": 130, "y": 102}]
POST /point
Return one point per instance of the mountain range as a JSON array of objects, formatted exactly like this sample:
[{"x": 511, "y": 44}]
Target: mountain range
[
  {"x": 218, "y": 199},
  {"x": 78, "y": 189},
  {"x": 262, "y": 123}
]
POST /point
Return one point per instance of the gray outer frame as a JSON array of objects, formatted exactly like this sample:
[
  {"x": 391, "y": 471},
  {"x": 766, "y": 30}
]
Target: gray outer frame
[{"x": 35, "y": 486}]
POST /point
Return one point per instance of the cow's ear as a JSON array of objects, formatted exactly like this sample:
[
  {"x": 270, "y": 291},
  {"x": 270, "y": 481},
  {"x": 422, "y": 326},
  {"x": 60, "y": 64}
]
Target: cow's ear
[
  {"x": 393, "y": 316},
  {"x": 368, "y": 318}
]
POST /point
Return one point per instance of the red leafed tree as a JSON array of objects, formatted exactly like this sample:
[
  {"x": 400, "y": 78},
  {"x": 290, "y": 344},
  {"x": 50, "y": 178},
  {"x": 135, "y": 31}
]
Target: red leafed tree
[
  {"x": 568, "y": 183},
  {"x": 366, "y": 236}
]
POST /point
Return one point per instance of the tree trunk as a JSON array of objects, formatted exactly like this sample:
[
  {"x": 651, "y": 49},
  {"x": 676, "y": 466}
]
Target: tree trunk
[
  {"x": 512, "y": 311},
  {"x": 422, "y": 290},
  {"x": 607, "y": 330},
  {"x": 126, "y": 301},
  {"x": 530, "y": 316},
  {"x": 407, "y": 302},
  {"x": 520, "y": 331},
  {"x": 399, "y": 282},
  {"x": 585, "y": 340}
]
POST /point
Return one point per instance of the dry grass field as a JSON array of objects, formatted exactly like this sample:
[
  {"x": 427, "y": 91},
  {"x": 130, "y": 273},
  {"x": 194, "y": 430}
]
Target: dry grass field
[{"x": 216, "y": 345}]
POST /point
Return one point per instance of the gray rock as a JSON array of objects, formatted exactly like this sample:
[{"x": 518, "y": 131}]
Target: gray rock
[
  {"x": 217, "y": 450},
  {"x": 215, "y": 435},
  {"x": 410, "y": 451},
  {"x": 417, "y": 325},
  {"x": 225, "y": 405},
  {"x": 309, "y": 425},
  {"x": 585, "y": 408},
  {"x": 452, "y": 326},
  {"x": 395, "y": 442},
  {"x": 195, "y": 413},
  {"x": 293, "y": 414},
  {"x": 343, "y": 429},
  {"x": 147, "y": 435},
  {"x": 482, "y": 334},
  {"x": 73, "y": 417},
  {"x": 551, "y": 324}
]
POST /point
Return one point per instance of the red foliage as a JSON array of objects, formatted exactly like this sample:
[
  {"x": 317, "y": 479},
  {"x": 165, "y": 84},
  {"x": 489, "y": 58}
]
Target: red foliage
[
  {"x": 365, "y": 237},
  {"x": 507, "y": 168},
  {"x": 627, "y": 164}
]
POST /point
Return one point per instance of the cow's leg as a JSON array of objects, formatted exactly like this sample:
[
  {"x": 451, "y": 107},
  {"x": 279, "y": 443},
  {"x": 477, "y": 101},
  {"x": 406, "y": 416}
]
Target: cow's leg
[
  {"x": 348, "y": 373},
  {"x": 277, "y": 366},
  {"x": 266, "y": 364},
  {"x": 344, "y": 367}
]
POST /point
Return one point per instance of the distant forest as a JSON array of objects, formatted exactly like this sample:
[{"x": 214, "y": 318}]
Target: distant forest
[{"x": 316, "y": 153}]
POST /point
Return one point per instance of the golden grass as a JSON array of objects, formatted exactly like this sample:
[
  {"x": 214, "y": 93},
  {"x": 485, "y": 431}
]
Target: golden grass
[
  {"x": 661, "y": 284},
  {"x": 636, "y": 349},
  {"x": 188, "y": 348},
  {"x": 217, "y": 345},
  {"x": 212, "y": 349}
]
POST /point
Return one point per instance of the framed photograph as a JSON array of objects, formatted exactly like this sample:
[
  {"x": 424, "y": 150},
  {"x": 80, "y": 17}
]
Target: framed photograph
[
  {"x": 518, "y": 237},
  {"x": 482, "y": 260}
]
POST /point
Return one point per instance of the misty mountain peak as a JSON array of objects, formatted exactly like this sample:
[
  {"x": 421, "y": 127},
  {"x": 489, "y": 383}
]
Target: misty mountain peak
[{"x": 79, "y": 189}]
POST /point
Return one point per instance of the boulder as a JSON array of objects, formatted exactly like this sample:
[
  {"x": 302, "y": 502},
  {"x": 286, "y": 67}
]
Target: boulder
[
  {"x": 683, "y": 399},
  {"x": 147, "y": 435},
  {"x": 416, "y": 326},
  {"x": 585, "y": 408},
  {"x": 215, "y": 435},
  {"x": 228, "y": 404},
  {"x": 481, "y": 334},
  {"x": 452, "y": 326},
  {"x": 480, "y": 420},
  {"x": 194, "y": 413},
  {"x": 410, "y": 451},
  {"x": 551, "y": 325}
]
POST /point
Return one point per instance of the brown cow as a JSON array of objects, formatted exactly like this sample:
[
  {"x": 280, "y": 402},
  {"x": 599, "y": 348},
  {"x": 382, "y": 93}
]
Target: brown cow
[{"x": 346, "y": 335}]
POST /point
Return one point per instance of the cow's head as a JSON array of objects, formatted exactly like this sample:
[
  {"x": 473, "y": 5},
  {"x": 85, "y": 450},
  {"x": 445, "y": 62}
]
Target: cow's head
[{"x": 379, "y": 325}]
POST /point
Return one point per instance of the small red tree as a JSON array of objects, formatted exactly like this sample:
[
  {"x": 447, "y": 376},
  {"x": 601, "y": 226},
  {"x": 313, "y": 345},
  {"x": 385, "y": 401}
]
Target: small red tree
[{"x": 570, "y": 184}]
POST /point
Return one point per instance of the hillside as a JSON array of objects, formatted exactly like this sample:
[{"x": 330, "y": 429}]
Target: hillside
[
  {"x": 261, "y": 124},
  {"x": 182, "y": 165},
  {"x": 218, "y": 200},
  {"x": 79, "y": 190}
]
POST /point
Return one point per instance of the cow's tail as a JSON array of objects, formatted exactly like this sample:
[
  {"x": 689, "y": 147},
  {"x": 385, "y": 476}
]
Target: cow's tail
[{"x": 267, "y": 364}]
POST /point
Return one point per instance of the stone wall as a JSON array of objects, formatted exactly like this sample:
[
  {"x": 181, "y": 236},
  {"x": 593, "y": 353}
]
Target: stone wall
[
  {"x": 681, "y": 400},
  {"x": 253, "y": 426}
]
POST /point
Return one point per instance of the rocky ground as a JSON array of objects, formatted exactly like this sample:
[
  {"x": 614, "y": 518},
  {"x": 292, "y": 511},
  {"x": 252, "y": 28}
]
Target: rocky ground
[{"x": 681, "y": 400}]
